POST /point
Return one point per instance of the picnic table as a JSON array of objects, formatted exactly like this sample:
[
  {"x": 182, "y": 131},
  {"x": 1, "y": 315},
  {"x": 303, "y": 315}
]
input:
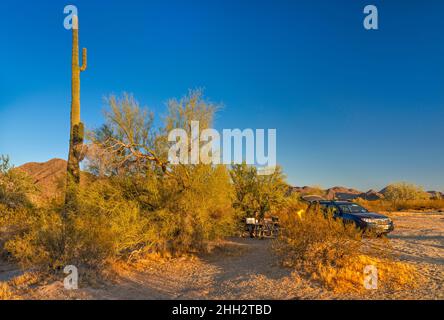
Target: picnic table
[{"x": 261, "y": 228}]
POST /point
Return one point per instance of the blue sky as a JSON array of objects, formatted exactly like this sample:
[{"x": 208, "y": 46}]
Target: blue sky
[{"x": 351, "y": 107}]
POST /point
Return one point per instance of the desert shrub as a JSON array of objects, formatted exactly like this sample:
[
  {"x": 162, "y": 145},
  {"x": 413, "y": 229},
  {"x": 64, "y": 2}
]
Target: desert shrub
[
  {"x": 106, "y": 225},
  {"x": 146, "y": 215},
  {"x": 186, "y": 205},
  {"x": 14, "y": 223},
  {"x": 376, "y": 205},
  {"x": 7, "y": 292},
  {"x": 417, "y": 205},
  {"x": 15, "y": 185},
  {"x": 25, "y": 280},
  {"x": 319, "y": 238},
  {"x": 16, "y": 209},
  {"x": 329, "y": 251},
  {"x": 420, "y": 205},
  {"x": 202, "y": 210},
  {"x": 132, "y": 203},
  {"x": 348, "y": 274},
  {"x": 19, "y": 285},
  {"x": 183, "y": 215},
  {"x": 404, "y": 191},
  {"x": 257, "y": 195},
  {"x": 38, "y": 239}
]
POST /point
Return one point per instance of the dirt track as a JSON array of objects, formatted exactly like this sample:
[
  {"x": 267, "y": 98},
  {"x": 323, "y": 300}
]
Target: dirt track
[
  {"x": 419, "y": 239},
  {"x": 246, "y": 269}
]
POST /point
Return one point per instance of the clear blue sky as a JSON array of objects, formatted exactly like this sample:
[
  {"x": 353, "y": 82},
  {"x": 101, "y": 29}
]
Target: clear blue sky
[{"x": 351, "y": 107}]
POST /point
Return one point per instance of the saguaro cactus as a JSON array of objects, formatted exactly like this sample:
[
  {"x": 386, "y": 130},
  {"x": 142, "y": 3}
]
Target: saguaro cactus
[{"x": 77, "y": 127}]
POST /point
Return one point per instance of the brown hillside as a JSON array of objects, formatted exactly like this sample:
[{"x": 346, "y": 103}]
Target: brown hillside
[
  {"x": 48, "y": 176},
  {"x": 340, "y": 193}
]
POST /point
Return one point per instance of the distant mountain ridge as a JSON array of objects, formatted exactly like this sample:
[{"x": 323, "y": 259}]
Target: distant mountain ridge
[
  {"x": 49, "y": 177},
  {"x": 342, "y": 193},
  {"x": 42, "y": 171}
]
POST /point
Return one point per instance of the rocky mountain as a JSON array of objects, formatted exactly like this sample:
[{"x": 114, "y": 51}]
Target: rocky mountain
[
  {"x": 372, "y": 195},
  {"x": 48, "y": 176},
  {"x": 342, "y": 193},
  {"x": 339, "y": 193}
]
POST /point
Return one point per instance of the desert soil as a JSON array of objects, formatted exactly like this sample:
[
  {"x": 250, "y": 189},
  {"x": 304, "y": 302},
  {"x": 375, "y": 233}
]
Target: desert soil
[{"x": 247, "y": 269}]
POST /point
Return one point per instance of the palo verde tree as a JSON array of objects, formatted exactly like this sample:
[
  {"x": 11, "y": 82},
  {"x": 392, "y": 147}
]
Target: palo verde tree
[
  {"x": 257, "y": 195},
  {"x": 186, "y": 204}
]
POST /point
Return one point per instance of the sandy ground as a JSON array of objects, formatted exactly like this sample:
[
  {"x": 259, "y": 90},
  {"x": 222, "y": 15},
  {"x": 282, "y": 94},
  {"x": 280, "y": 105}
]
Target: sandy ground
[
  {"x": 419, "y": 239},
  {"x": 247, "y": 269}
]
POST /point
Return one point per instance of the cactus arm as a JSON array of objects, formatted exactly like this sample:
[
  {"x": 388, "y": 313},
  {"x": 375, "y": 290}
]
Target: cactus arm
[{"x": 84, "y": 60}]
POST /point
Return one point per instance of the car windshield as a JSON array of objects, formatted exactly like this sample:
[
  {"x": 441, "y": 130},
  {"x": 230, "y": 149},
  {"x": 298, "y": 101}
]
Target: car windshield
[{"x": 352, "y": 208}]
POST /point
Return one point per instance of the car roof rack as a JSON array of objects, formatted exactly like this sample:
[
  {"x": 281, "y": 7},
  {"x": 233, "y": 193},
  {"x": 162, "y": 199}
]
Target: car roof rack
[{"x": 313, "y": 198}]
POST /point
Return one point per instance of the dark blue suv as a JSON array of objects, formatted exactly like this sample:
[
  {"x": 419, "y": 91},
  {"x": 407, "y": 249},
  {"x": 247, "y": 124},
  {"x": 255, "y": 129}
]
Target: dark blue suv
[{"x": 351, "y": 212}]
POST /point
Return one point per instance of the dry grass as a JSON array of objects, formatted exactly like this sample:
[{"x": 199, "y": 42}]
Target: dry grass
[
  {"x": 406, "y": 205},
  {"x": 16, "y": 287},
  {"x": 26, "y": 280},
  {"x": 326, "y": 250},
  {"x": 7, "y": 292},
  {"x": 347, "y": 275}
]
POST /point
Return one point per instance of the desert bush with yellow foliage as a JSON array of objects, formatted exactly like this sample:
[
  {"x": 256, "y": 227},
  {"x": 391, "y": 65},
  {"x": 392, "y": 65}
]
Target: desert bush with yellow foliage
[
  {"x": 404, "y": 191},
  {"x": 16, "y": 187},
  {"x": 7, "y": 292},
  {"x": 17, "y": 213},
  {"x": 335, "y": 254},
  {"x": 114, "y": 221},
  {"x": 132, "y": 204},
  {"x": 405, "y": 205},
  {"x": 403, "y": 196}
]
